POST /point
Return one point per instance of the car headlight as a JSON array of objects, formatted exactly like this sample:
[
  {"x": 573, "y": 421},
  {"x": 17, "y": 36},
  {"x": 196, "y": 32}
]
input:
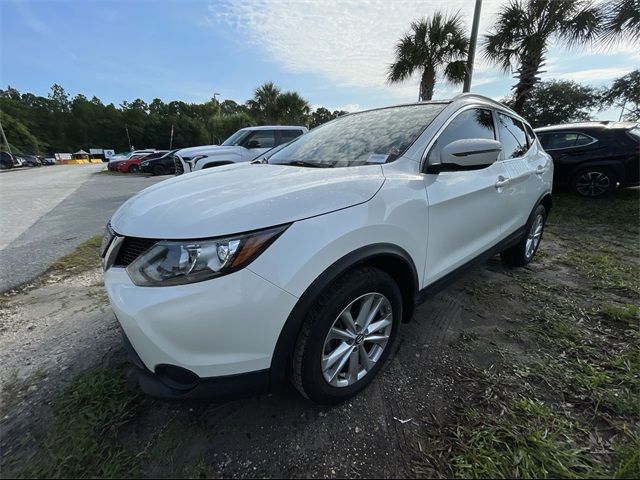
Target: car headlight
[
  {"x": 144, "y": 164},
  {"x": 106, "y": 239},
  {"x": 180, "y": 262}
]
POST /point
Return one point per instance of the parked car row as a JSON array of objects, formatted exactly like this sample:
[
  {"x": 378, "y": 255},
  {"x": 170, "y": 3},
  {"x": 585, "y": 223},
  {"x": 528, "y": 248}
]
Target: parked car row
[
  {"x": 133, "y": 163},
  {"x": 13, "y": 160}
]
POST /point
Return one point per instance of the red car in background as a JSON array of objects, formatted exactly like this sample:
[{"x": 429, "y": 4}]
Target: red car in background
[{"x": 132, "y": 165}]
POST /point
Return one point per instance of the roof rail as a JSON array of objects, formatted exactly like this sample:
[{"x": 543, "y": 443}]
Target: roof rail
[{"x": 477, "y": 96}]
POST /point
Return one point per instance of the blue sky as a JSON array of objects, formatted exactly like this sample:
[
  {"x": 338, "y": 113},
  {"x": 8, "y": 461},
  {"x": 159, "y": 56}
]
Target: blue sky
[{"x": 332, "y": 52}]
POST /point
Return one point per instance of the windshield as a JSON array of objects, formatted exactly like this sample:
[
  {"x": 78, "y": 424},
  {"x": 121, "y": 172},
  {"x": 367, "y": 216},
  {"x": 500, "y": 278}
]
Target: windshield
[
  {"x": 236, "y": 138},
  {"x": 375, "y": 136}
]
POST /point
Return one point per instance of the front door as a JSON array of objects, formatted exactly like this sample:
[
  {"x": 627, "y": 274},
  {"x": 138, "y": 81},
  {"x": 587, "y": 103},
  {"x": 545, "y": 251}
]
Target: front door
[{"x": 466, "y": 208}]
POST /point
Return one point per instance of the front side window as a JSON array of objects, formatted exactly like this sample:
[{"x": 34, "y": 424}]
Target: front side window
[
  {"x": 512, "y": 136},
  {"x": 474, "y": 123},
  {"x": 236, "y": 139},
  {"x": 371, "y": 137}
]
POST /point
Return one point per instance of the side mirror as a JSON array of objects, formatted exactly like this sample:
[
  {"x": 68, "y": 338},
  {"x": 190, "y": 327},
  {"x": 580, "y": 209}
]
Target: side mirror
[
  {"x": 252, "y": 144},
  {"x": 470, "y": 153}
]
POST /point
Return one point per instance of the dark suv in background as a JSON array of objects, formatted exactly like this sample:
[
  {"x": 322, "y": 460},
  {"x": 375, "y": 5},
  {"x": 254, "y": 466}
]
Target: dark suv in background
[{"x": 593, "y": 158}]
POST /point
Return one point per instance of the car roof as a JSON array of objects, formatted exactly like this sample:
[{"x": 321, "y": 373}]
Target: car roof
[
  {"x": 595, "y": 125},
  {"x": 275, "y": 127},
  {"x": 461, "y": 100}
]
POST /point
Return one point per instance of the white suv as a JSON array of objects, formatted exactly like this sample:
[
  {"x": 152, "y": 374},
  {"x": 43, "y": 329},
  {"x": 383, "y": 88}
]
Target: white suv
[
  {"x": 243, "y": 146},
  {"x": 304, "y": 267}
]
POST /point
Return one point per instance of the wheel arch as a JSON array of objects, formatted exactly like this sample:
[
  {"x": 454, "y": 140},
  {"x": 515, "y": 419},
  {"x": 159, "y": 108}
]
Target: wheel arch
[{"x": 390, "y": 258}]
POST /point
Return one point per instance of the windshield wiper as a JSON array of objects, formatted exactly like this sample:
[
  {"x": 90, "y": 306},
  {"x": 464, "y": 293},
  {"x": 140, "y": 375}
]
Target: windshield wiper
[{"x": 302, "y": 163}]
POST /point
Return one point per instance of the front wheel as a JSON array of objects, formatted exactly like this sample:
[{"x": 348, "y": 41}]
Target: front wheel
[
  {"x": 158, "y": 170},
  {"x": 347, "y": 336},
  {"x": 523, "y": 252}
]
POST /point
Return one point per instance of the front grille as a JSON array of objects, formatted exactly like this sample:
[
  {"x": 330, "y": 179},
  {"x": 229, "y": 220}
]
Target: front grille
[
  {"x": 132, "y": 248},
  {"x": 178, "y": 164}
]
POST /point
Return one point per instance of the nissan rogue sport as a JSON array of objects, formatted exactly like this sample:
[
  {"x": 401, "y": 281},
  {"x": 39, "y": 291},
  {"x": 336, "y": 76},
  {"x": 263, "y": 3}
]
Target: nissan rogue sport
[{"x": 304, "y": 265}]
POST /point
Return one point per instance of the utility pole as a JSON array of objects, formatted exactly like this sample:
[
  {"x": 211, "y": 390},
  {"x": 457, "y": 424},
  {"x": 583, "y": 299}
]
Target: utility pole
[
  {"x": 472, "y": 46},
  {"x": 128, "y": 137},
  {"x": 4, "y": 139}
]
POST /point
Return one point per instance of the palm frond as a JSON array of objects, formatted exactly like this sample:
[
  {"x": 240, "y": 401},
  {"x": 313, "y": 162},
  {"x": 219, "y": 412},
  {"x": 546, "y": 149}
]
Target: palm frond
[{"x": 456, "y": 72}]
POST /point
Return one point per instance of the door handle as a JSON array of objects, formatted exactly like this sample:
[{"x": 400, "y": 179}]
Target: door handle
[
  {"x": 502, "y": 181},
  {"x": 540, "y": 170}
]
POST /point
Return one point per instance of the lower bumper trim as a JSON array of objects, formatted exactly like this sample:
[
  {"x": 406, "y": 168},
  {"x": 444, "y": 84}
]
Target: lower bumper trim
[{"x": 228, "y": 387}]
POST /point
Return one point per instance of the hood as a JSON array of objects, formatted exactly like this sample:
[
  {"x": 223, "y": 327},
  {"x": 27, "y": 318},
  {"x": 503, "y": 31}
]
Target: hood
[
  {"x": 242, "y": 197},
  {"x": 215, "y": 151}
]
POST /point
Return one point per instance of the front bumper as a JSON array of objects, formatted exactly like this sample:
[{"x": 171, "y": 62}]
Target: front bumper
[
  {"x": 215, "y": 330},
  {"x": 166, "y": 386}
]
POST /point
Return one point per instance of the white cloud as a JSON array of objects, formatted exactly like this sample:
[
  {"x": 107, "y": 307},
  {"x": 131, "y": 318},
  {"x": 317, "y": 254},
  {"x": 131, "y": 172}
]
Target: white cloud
[
  {"x": 594, "y": 75},
  {"x": 349, "y": 42}
]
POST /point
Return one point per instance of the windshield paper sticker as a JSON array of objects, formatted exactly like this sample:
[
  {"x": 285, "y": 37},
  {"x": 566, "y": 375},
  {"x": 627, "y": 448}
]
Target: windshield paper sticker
[{"x": 377, "y": 158}]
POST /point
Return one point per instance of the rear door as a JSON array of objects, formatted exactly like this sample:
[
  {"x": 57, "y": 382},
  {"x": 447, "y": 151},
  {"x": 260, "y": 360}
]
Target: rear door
[
  {"x": 523, "y": 166},
  {"x": 466, "y": 207}
]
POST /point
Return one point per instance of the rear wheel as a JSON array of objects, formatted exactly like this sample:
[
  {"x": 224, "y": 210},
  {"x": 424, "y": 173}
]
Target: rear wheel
[
  {"x": 347, "y": 336},
  {"x": 159, "y": 170},
  {"x": 134, "y": 169},
  {"x": 523, "y": 252},
  {"x": 594, "y": 182}
]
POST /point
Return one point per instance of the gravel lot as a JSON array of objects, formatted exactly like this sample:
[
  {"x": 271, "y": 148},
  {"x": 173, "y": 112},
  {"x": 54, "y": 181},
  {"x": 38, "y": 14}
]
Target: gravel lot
[{"x": 46, "y": 212}]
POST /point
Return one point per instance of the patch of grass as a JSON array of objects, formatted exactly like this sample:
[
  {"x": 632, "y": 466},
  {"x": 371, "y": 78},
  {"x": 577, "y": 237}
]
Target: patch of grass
[
  {"x": 608, "y": 270},
  {"x": 82, "y": 439},
  {"x": 626, "y": 313},
  {"x": 121, "y": 174},
  {"x": 84, "y": 258},
  {"x": 619, "y": 210},
  {"x": 527, "y": 439},
  {"x": 627, "y": 455}
]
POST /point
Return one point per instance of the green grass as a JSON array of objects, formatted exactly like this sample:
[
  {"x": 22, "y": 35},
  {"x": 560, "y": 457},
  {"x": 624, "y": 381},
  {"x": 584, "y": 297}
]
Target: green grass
[
  {"x": 620, "y": 210},
  {"x": 527, "y": 439},
  {"x": 84, "y": 258},
  {"x": 626, "y": 313},
  {"x": 83, "y": 437},
  {"x": 121, "y": 174}
]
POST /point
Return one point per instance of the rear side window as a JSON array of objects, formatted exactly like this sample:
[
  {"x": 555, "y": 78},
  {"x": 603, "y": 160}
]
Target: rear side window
[
  {"x": 584, "y": 140},
  {"x": 287, "y": 135},
  {"x": 512, "y": 136}
]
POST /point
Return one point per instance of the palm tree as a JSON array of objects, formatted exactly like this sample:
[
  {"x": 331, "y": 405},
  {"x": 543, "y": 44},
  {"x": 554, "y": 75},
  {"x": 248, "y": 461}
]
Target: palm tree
[
  {"x": 525, "y": 28},
  {"x": 432, "y": 46},
  {"x": 272, "y": 106},
  {"x": 621, "y": 19},
  {"x": 264, "y": 103}
]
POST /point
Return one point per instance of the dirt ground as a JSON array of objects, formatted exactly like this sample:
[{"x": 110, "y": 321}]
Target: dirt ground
[{"x": 507, "y": 373}]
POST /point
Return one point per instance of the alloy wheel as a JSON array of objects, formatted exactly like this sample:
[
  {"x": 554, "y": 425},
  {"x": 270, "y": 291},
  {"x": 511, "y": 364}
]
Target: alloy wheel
[
  {"x": 357, "y": 339},
  {"x": 593, "y": 184},
  {"x": 534, "y": 236}
]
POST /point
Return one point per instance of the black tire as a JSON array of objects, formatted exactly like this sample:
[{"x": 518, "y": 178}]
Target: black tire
[
  {"x": 159, "y": 170},
  {"x": 596, "y": 182},
  {"x": 306, "y": 370},
  {"x": 134, "y": 169},
  {"x": 519, "y": 255}
]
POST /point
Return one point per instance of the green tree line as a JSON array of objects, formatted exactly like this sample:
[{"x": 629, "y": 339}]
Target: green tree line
[{"x": 61, "y": 123}]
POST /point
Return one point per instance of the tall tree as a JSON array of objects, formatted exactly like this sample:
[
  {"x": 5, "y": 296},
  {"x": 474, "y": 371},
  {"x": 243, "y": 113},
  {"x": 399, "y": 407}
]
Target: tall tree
[
  {"x": 559, "y": 101},
  {"x": 433, "y": 46},
  {"x": 524, "y": 31},
  {"x": 272, "y": 106},
  {"x": 625, "y": 93}
]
